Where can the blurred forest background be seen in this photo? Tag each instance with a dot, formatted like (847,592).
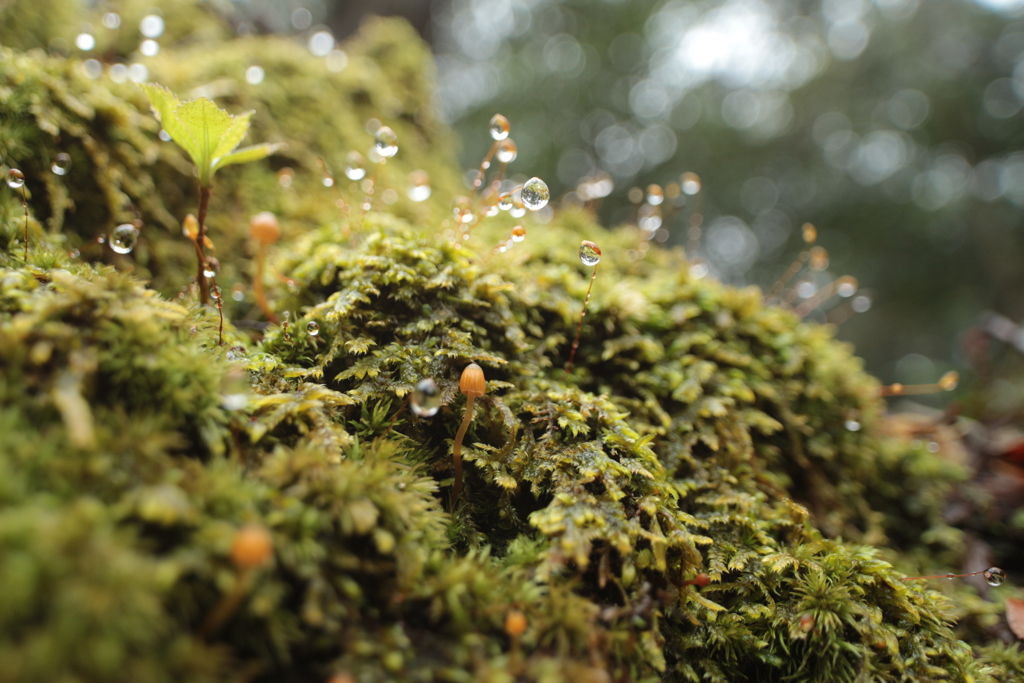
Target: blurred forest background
(894,126)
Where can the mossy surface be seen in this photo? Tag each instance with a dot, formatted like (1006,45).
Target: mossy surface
(699,432)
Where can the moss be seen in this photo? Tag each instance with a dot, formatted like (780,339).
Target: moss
(700,433)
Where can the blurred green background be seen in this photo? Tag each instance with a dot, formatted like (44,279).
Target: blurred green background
(894,126)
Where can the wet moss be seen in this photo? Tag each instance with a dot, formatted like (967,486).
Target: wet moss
(701,432)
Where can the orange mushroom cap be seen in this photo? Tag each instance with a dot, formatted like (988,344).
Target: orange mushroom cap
(472,382)
(264,228)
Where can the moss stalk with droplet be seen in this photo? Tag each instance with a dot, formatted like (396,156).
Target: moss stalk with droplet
(590,254)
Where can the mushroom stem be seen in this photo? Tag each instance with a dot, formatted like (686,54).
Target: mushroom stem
(457,450)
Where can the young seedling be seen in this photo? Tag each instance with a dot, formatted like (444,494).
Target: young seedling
(251,548)
(947,382)
(994,576)
(16,181)
(590,255)
(472,384)
(210,137)
(265,229)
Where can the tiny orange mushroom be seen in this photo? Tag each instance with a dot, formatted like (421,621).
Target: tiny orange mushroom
(472,384)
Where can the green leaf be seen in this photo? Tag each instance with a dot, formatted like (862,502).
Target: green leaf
(164,104)
(207,125)
(233,135)
(245,155)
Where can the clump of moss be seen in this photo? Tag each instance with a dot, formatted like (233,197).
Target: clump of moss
(702,433)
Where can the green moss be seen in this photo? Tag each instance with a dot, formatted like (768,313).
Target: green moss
(700,431)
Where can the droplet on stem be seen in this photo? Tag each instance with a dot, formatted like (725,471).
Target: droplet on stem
(61,163)
(507,151)
(655,195)
(123,238)
(386,142)
(690,182)
(312,328)
(499,127)
(818,259)
(994,576)
(355,166)
(590,253)
(426,398)
(518,233)
(15,179)
(212,267)
(809,232)
(535,194)
(419,186)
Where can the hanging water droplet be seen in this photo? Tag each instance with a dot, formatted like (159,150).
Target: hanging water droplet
(499,127)
(690,182)
(852,426)
(355,166)
(61,163)
(149,47)
(462,209)
(994,576)
(517,210)
(535,194)
(861,304)
(655,195)
(809,232)
(123,238)
(328,181)
(164,135)
(85,41)
(846,286)
(505,202)
(385,142)
(518,233)
(491,210)
(312,328)
(212,267)
(806,289)
(426,398)
(152,26)
(819,259)
(507,151)
(590,253)
(949,381)
(419,186)
(15,179)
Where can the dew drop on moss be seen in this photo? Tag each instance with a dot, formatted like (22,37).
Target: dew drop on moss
(355,166)
(590,253)
(386,142)
(419,186)
(690,183)
(15,179)
(507,151)
(61,163)
(655,195)
(426,398)
(994,576)
(123,238)
(518,233)
(535,194)
(499,127)
(312,328)
(505,202)
(852,426)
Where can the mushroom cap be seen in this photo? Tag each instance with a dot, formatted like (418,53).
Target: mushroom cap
(251,547)
(472,382)
(264,228)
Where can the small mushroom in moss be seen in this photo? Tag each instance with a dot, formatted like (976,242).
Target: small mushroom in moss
(472,384)
(266,230)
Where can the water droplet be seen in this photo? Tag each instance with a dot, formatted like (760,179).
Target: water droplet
(15,179)
(85,41)
(846,286)
(949,381)
(386,142)
(655,195)
(74,253)
(994,576)
(819,259)
(419,186)
(507,151)
(690,182)
(93,68)
(810,233)
(426,399)
(462,209)
(699,270)
(321,43)
(149,47)
(499,127)
(164,135)
(517,210)
(285,177)
(505,202)
(590,253)
(152,26)
(61,163)
(337,60)
(491,210)
(806,289)
(312,328)
(328,181)
(212,267)
(861,304)
(355,166)
(535,194)
(852,426)
(234,389)
(123,238)
(102,239)
(111,20)
(254,75)
(518,233)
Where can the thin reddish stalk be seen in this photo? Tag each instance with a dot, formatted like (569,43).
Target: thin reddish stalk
(579,327)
